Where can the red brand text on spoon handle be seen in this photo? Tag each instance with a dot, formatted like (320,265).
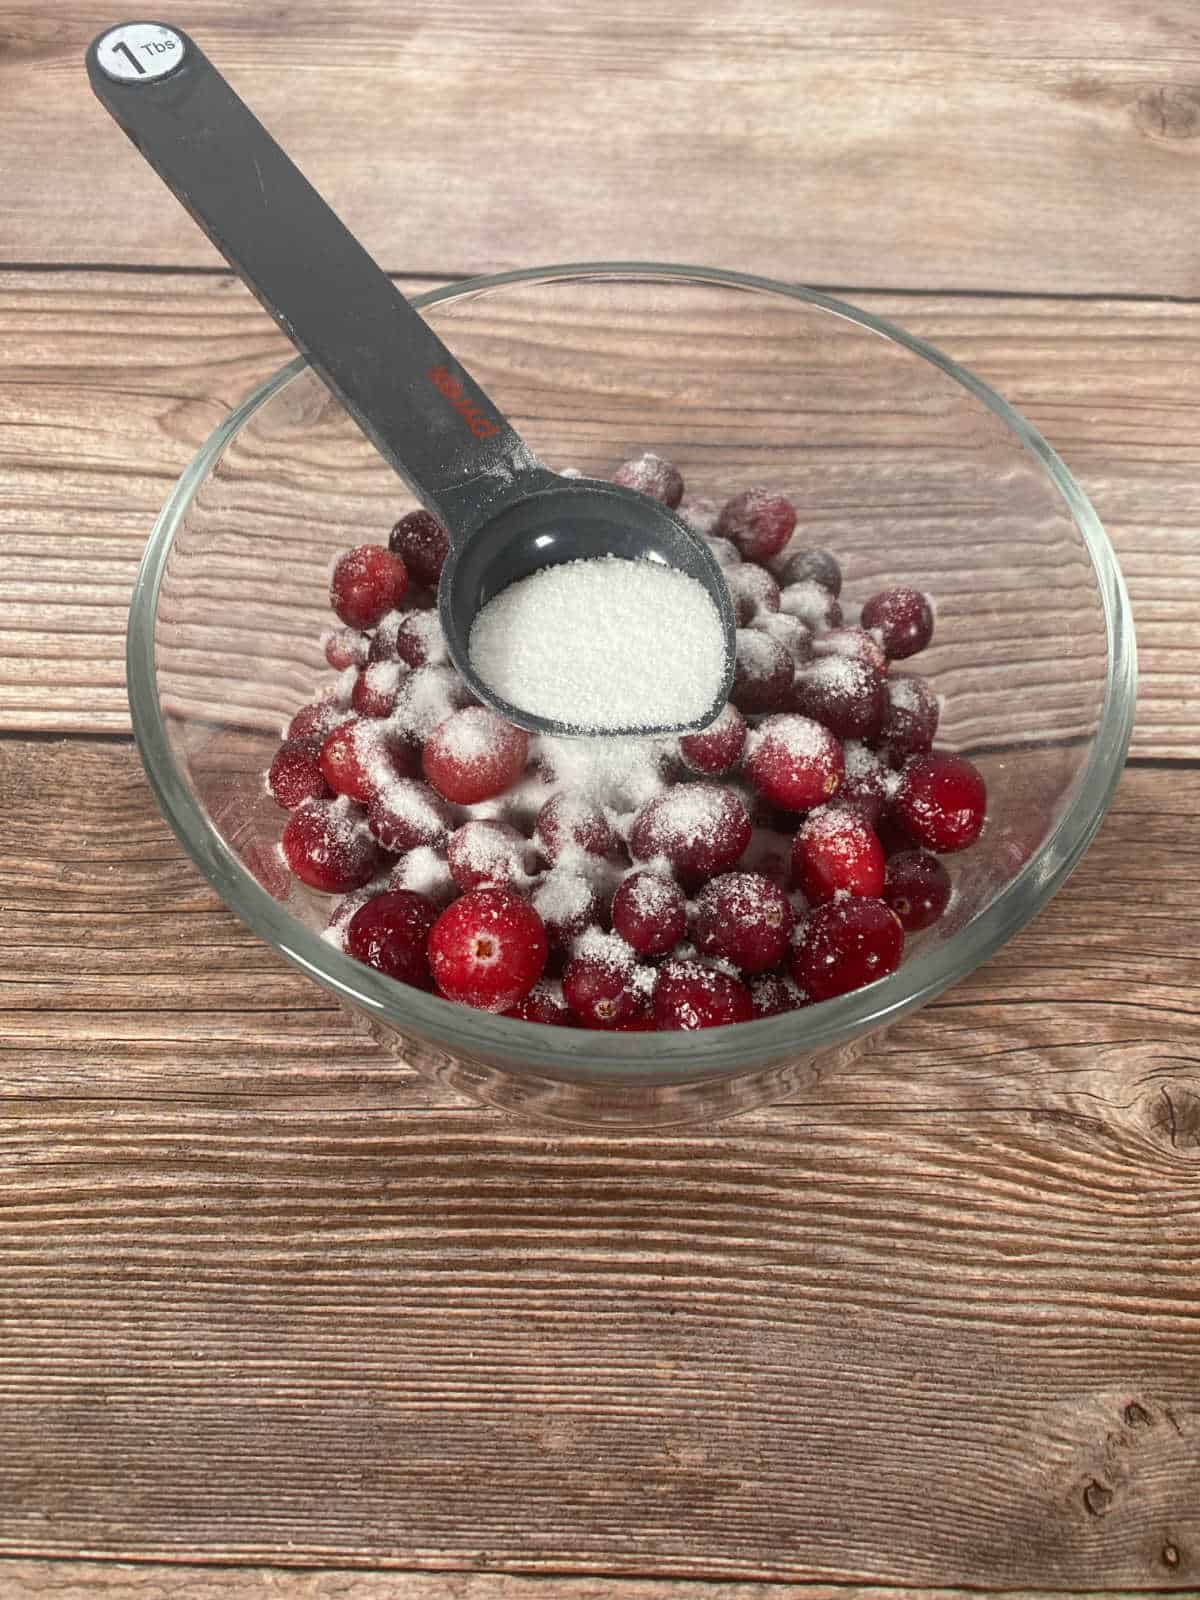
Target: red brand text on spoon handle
(446,383)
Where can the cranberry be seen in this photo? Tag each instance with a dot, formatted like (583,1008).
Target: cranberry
(815,565)
(763,673)
(651,475)
(644,1023)
(774,993)
(753,591)
(474,755)
(389,933)
(543,1003)
(845,944)
(419,640)
(901,619)
(376,688)
(488,949)
(941,801)
(688,994)
(852,642)
(406,814)
(345,647)
(313,723)
(423,870)
(328,848)
(429,695)
(366,582)
(770,855)
(296,775)
(835,851)
(650,913)
(812,603)
(910,719)
(917,887)
(483,851)
(794,763)
(794,635)
(701,515)
(866,781)
(843,695)
(422,541)
(383,640)
(566,824)
(726,554)
(718,747)
(598,982)
(700,828)
(758,521)
(745,918)
(359,758)
(567,903)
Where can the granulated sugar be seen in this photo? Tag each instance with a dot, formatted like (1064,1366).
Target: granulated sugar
(603,644)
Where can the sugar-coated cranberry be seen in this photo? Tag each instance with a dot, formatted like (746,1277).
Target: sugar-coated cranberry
(845,944)
(758,521)
(763,672)
(599,982)
(865,782)
(745,918)
(360,757)
(811,565)
(345,647)
(488,949)
(366,582)
(407,813)
(544,1003)
(567,903)
(901,619)
(376,688)
(423,869)
(650,913)
(718,747)
(383,641)
(428,695)
(419,640)
(651,475)
(327,846)
(474,755)
(726,554)
(835,851)
(567,824)
(853,642)
(910,719)
(793,762)
(842,694)
(813,604)
(296,776)
(941,801)
(700,514)
(422,542)
(752,590)
(917,887)
(487,851)
(390,932)
(688,994)
(313,723)
(700,828)
(794,635)
(774,993)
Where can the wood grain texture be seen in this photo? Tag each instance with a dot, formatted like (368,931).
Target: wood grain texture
(943,144)
(96,430)
(932,1323)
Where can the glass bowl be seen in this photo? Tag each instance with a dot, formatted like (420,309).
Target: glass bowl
(904,464)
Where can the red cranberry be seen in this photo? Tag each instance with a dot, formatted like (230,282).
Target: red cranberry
(566,824)
(846,944)
(773,994)
(852,642)
(866,781)
(758,521)
(917,887)
(701,515)
(814,565)
(814,605)
(941,801)
(650,913)
(488,949)
(389,933)
(651,475)
(718,747)
(359,758)
(483,851)
(843,695)
(345,647)
(407,813)
(794,763)
(474,755)
(639,1024)
(770,855)
(688,994)
(753,591)
(745,918)
(835,851)
(422,541)
(789,631)
(762,673)
(296,776)
(313,723)
(328,848)
(383,640)
(901,619)
(700,828)
(598,982)
(567,903)
(376,688)
(420,641)
(544,1003)
(366,582)
(910,719)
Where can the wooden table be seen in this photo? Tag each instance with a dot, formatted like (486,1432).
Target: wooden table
(273,1311)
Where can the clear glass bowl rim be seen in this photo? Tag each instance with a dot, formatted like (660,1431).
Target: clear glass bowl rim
(642,1058)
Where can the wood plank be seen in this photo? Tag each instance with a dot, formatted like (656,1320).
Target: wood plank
(932,145)
(931,1323)
(96,431)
